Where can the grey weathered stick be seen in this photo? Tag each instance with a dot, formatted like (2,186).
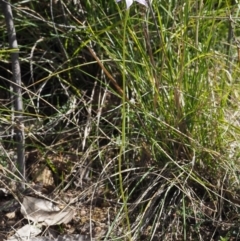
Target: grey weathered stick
(17,92)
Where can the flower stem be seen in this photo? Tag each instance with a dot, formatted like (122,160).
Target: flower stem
(123,144)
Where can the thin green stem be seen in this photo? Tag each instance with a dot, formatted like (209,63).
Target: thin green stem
(123,144)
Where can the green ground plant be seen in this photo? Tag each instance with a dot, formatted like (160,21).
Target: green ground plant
(146,98)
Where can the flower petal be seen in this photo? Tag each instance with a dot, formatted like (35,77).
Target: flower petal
(129,3)
(142,2)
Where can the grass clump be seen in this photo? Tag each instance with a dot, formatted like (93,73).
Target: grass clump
(145,103)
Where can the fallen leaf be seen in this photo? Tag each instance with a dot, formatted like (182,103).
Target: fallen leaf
(24,233)
(45,212)
(11,215)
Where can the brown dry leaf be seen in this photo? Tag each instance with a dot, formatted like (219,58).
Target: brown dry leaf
(11,215)
(44,175)
(45,212)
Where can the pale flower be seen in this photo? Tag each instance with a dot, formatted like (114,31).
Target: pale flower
(130,2)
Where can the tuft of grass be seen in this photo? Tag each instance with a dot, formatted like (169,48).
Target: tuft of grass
(147,101)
